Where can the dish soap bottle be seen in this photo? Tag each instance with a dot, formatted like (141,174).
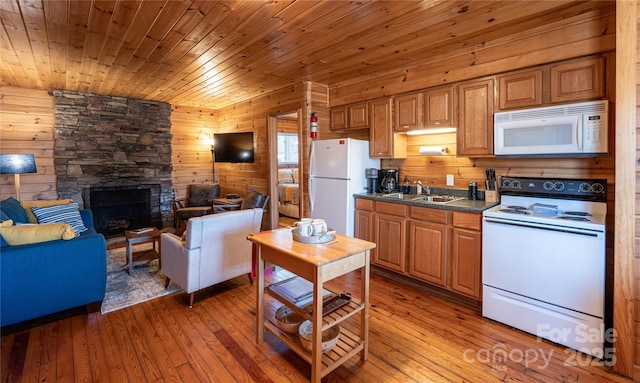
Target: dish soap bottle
(406,188)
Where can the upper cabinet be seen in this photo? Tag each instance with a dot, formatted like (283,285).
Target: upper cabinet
(520,90)
(408,112)
(338,118)
(383,141)
(358,116)
(439,107)
(577,80)
(474,135)
(354,116)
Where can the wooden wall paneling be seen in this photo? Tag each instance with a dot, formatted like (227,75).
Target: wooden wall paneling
(252,115)
(191,155)
(625,287)
(26,127)
(577,36)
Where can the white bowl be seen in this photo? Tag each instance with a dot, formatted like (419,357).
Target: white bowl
(329,336)
(288,320)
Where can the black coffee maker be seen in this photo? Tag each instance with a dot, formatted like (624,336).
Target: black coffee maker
(372,180)
(388,180)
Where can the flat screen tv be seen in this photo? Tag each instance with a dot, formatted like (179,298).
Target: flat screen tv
(234,147)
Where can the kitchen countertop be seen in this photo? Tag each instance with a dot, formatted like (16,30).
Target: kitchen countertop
(464,204)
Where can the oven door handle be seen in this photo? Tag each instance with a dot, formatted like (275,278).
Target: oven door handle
(544,227)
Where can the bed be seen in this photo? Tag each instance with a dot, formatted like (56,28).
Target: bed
(288,202)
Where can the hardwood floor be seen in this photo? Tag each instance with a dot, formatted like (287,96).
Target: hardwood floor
(414,337)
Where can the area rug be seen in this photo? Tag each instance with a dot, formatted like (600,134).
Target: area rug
(124,290)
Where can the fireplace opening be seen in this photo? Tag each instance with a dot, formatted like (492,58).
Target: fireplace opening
(116,209)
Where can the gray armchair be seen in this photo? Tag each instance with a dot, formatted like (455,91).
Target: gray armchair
(198,202)
(253,199)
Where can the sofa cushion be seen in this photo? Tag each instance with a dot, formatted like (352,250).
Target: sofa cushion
(4,217)
(27,205)
(67,213)
(27,234)
(12,208)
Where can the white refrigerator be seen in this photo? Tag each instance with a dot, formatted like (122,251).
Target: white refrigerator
(336,173)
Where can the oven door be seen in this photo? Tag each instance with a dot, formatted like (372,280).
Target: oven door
(561,266)
(546,280)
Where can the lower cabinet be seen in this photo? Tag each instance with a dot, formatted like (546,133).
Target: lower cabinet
(440,247)
(364,220)
(429,245)
(389,234)
(466,254)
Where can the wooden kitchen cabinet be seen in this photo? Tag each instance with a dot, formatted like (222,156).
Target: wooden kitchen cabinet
(466,254)
(520,90)
(408,112)
(389,234)
(358,116)
(350,117)
(578,80)
(429,245)
(338,118)
(364,219)
(439,107)
(383,142)
(474,135)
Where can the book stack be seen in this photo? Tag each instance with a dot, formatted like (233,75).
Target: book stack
(297,290)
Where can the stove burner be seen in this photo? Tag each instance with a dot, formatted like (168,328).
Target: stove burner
(515,210)
(516,207)
(574,218)
(578,213)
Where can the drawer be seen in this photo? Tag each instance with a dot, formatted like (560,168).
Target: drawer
(364,204)
(430,215)
(467,220)
(391,208)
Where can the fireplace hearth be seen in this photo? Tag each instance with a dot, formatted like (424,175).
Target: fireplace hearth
(119,208)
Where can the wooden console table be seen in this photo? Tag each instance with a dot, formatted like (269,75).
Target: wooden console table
(317,263)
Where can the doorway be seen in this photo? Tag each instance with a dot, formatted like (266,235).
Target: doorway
(285,164)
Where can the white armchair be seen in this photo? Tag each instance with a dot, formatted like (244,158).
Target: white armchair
(215,249)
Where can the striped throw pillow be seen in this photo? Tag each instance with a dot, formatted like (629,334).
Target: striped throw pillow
(67,213)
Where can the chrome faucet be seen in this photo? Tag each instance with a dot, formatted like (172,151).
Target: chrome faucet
(426,188)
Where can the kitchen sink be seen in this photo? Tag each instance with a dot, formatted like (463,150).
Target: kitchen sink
(435,198)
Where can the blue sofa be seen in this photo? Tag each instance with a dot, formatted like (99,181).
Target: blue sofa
(48,277)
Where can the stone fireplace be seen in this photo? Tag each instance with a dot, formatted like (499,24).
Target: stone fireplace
(117,150)
(120,208)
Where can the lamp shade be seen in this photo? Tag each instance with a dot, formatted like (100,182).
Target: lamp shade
(17,164)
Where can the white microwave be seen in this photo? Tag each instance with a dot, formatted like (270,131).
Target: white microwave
(571,130)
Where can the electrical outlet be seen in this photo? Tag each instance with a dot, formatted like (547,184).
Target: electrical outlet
(449,179)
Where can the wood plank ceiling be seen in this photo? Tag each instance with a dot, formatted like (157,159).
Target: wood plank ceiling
(212,54)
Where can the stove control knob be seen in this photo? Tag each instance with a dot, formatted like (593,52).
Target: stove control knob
(516,184)
(585,187)
(558,186)
(548,185)
(597,188)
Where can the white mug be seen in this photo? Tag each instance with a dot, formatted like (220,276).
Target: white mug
(319,226)
(304,228)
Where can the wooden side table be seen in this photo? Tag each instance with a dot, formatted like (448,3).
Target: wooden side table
(139,236)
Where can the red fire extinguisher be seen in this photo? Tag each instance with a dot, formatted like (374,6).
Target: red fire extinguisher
(314,125)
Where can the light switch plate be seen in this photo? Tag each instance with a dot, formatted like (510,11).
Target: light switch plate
(449,179)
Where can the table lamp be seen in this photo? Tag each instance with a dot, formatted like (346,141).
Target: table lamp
(17,164)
